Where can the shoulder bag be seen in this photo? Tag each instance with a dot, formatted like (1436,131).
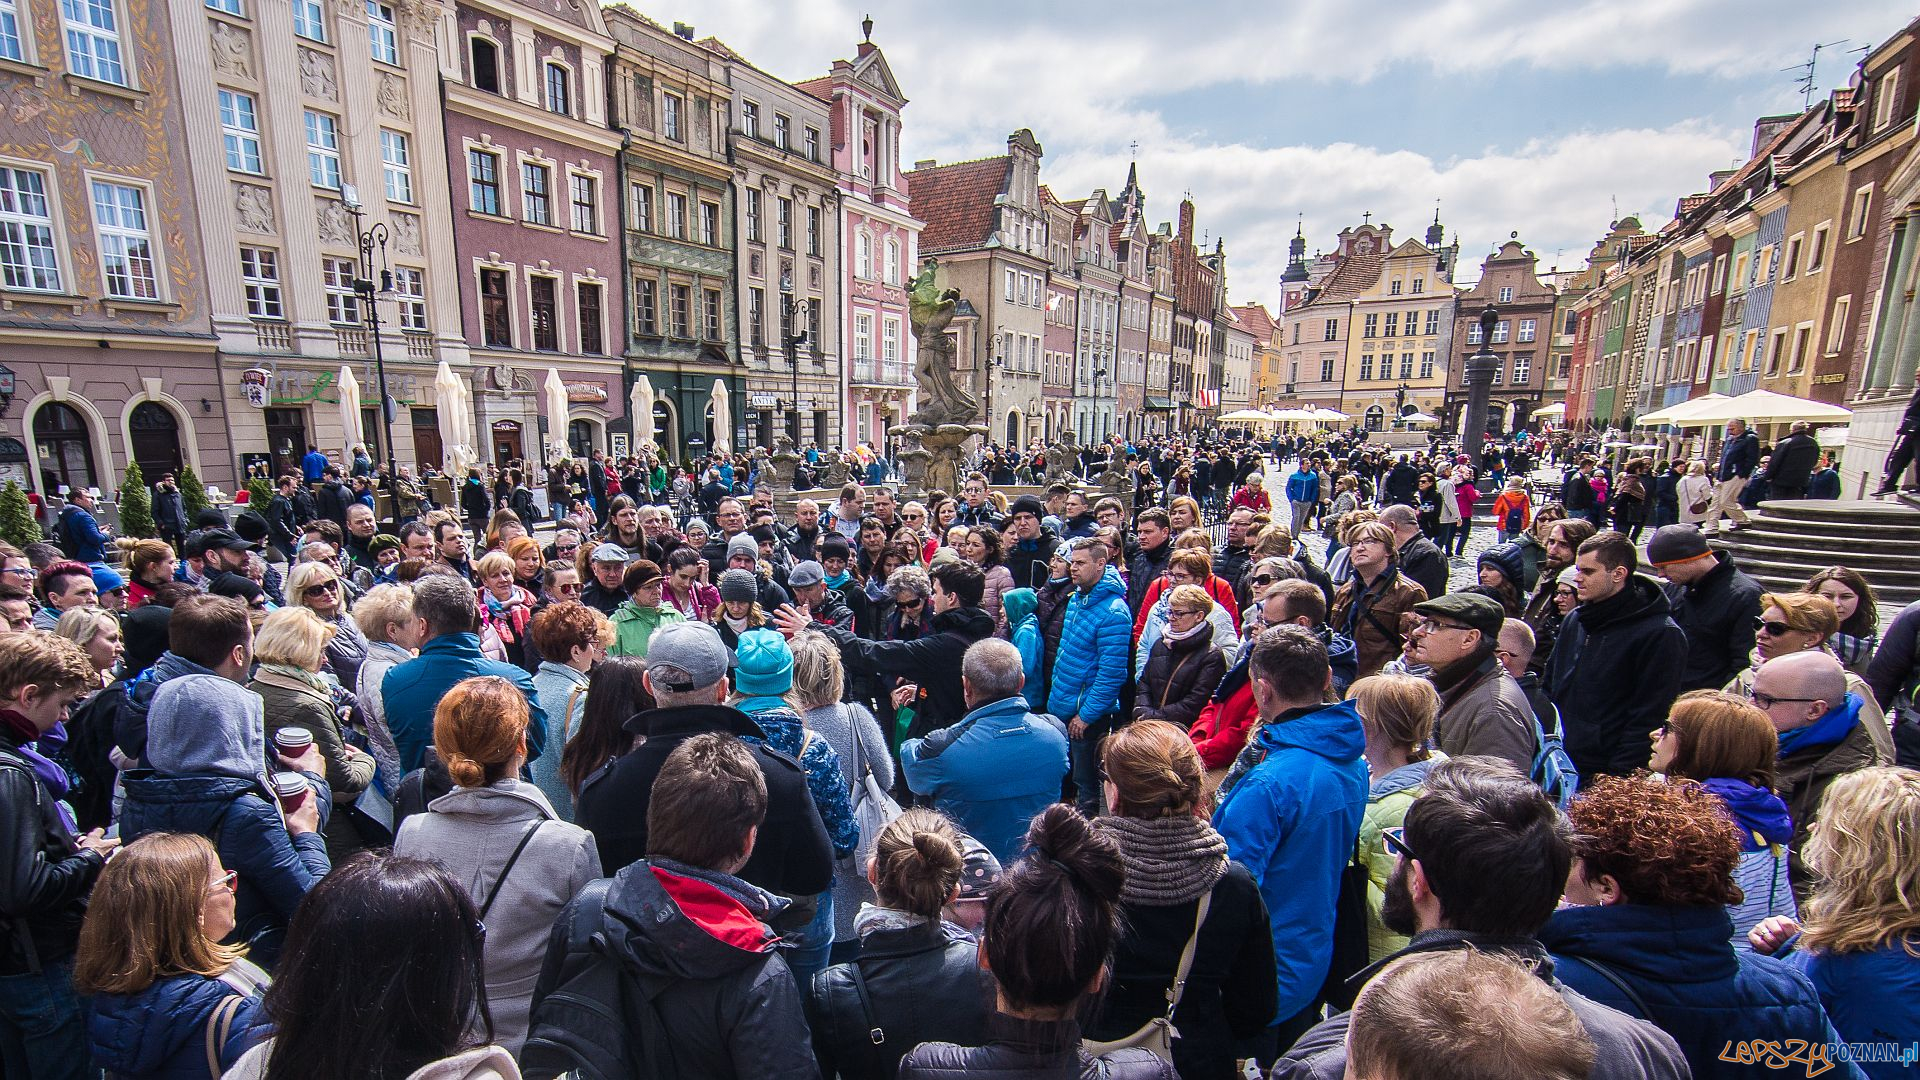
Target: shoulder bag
(219,1026)
(1157,1034)
(873,808)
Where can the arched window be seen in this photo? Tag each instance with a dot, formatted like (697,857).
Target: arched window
(893,262)
(484,67)
(65,448)
(156,440)
(1376,418)
(580,438)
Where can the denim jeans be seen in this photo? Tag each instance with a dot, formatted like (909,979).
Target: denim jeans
(809,946)
(43,1027)
(1085,765)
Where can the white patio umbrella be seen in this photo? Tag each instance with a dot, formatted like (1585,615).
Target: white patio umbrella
(446,403)
(555,392)
(1329,416)
(722,420)
(640,404)
(1557,409)
(1417,417)
(350,426)
(1680,411)
(1765,407)
(1246,416)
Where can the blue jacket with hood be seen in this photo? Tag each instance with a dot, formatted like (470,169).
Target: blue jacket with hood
(1090,666)
(991,772)
(411,691)
(1023,629)
(160,1033)
(1294,820)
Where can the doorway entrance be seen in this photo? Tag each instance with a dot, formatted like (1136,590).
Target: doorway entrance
(286,439)
(156,440)
(506,442)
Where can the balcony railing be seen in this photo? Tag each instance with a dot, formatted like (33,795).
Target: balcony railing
(419,346)
(352,341)
(275,336)
(866,369)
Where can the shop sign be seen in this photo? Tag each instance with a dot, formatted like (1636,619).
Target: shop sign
(586,393)
(253,382)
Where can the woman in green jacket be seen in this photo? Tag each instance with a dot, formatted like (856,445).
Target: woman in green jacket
(1397,713)
(635,620)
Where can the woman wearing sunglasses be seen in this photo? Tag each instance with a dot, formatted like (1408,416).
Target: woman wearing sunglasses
(317,587)
(167,998)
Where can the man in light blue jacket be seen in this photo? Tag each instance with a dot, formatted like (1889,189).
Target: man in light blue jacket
(1000,765)
(1090,664)
(1294,818)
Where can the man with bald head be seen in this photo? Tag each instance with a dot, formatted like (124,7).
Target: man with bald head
(1419,559)
(1822,736)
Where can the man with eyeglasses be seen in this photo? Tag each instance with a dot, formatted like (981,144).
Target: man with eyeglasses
(566,544)
(1617,662)
(1712,600)
(1482,709)
(1823,736)
(1374,607)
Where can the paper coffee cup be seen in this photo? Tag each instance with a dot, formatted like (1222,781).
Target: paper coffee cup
(293,741)
(291,789)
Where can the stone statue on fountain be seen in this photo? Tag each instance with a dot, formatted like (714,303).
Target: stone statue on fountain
(948,415)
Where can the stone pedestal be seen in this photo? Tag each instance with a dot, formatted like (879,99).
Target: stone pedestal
(932,457)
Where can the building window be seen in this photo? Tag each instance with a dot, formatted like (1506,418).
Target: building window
(310,19)
(559,90)
(396,164)
(893,262)
(1506,294)
(536,194)
(889,340)
(1817,253)
(260,279)
(710,224)
(1522,369)
(93,40)
(670,105)
(543,299)
(1776,346)
(646,306)
(680,310)
(1393,287)
(27,252)
(1500,332)
(863,256)
(585,192)
(323,151)
(750,119)
(1886,99)
(483,182)
(10,47)
(231,7)
(1330,330)
(642,206)
(1393,323)
(1419,286)
(587,306)
(383,32)
(753,214)
(1802,344)
(1366,366)
(1857,220)
(676,215)
(781,131)
(1792,265)
(1406,366)
(811,140)
(126,249)
(1326,368)
(483,64)
(1837,325)
(496,310)
(756,316)
(783,221)
(1371,328)
(240,131)
(863,337)
(813,323)
(813,230)
(336,276)
(410,295)
(1426,365)
(1526,330)
(710,313)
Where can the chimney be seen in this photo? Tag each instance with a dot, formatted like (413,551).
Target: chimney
(683,30)
(925,163)
(1765,128)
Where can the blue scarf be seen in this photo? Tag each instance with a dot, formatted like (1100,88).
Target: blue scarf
(834,581)
(1829,730)
(1762,817)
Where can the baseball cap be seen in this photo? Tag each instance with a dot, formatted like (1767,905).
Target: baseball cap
(609,553)
(1483,613)
(225,539)
(806,574)
(686,656)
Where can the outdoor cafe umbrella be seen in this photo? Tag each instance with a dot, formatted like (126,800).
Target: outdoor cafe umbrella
(1557,409)
(555,392)
(350,410)
(641,403)
(1765,407)
(1672,414)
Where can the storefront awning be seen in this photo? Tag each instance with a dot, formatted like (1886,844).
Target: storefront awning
(1159,402)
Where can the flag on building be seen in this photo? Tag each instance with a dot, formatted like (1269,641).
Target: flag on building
(1206,398)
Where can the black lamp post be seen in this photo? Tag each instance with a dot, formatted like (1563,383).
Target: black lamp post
(1478,376)
(375,236)
(790,338)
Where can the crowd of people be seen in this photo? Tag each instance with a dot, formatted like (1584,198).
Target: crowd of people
(1047,782)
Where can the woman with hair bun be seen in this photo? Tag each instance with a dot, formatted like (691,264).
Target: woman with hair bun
(1052,924)
(1174,859)
(501,840)
(920,975)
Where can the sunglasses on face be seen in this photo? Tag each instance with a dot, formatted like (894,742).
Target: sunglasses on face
(321,588)
(1395,840)
(1263,579)
(1773,629)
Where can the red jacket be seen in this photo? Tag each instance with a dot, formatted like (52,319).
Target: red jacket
(1217,588)
(1221,731)
(1253,499)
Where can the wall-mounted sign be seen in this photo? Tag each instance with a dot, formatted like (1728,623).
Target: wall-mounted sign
(764,401)
(253,383)
(586,393)
(12,451)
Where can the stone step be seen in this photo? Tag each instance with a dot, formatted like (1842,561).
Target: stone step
(1858,511)
(1890,558)
(1838,531)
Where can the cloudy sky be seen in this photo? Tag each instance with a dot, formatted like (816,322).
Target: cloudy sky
(1534,116)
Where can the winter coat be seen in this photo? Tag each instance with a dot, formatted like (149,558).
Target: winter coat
(1029,561)
(1091,664)
(1512,511)
(932,661)
(411,691)
(1293,821)
(1023,629)
(991,772)
(1614,673)
(1871,996)
(1488,715)
(1803,776)
(1230,987)
(44,873)
(1051,609)
(1029,1050)
(84,540)
(698,942)
(472,832)
(826,776)
(1303,487)
(1738,456)
(1180,678)
(563,698)
(1225,637)
(1683,967)
(290,703)
(1376,618)
(1387,801)
(1717,614)
(479,1063)
(1425,565)
(160,1033)
(999,582)
(1219,590)
(634,627)
(1625,1048)
(793,856)
(861,747)
(1145,569)
(921,984)
(1691,491)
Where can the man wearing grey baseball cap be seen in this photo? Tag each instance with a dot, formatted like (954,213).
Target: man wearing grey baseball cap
(687,676)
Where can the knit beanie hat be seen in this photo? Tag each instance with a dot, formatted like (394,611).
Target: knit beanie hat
(765,664)
(1507,559)
(739,585)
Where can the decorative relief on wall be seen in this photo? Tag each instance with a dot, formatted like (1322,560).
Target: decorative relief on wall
(392,95)
(253,208)
(316,75)
(232,50)
(406,234)
(334,225)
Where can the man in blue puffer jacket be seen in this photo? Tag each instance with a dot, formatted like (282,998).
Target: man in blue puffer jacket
(1649,934)
(1090,665)
(412,690)
(1294,818)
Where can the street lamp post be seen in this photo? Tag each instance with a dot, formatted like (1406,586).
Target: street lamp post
(375,236)
(1479,379)
(790,338)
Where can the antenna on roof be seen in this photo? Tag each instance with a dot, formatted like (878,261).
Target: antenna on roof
(1807,80)
(1133,148)
(1616,206)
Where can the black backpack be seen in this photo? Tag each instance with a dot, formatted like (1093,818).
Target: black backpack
(584,1027)
(63,532)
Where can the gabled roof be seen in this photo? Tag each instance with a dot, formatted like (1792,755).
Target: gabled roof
(1409,247)
(1353,275)
(956,202)
(1255,319)
(821,88)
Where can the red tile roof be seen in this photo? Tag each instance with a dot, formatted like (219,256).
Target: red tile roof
(821,88)
(1254,318)
(1353,275)
(956,202)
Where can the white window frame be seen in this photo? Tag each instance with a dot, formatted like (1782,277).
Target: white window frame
(1885,95)
(260,281)
(532,195)
(240,130)
(35,235)
(1837,324)
(1816,253)
(383,33)
(676,215)
(231,7)
(547,70)
(310,19)
(580,322)
(396,166)
(889,339)
(750,119)
(1506,294)
(1859,208)
(91,29)
(1426,365)
(863,256)
(557,324)
(672,105)
(1790,266)
(119,240)
(709,223)
(336,282)
(754,204)
(1528,327)
(12,45)
(1522,370)
(863,335)
(575,180)
(410,297)
(323,150)
(640,205)
(893,261)
(474,154)
(782,131)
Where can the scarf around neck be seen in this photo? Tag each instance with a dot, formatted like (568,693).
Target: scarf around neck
(834,581)
(1169,860)
(51,776)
